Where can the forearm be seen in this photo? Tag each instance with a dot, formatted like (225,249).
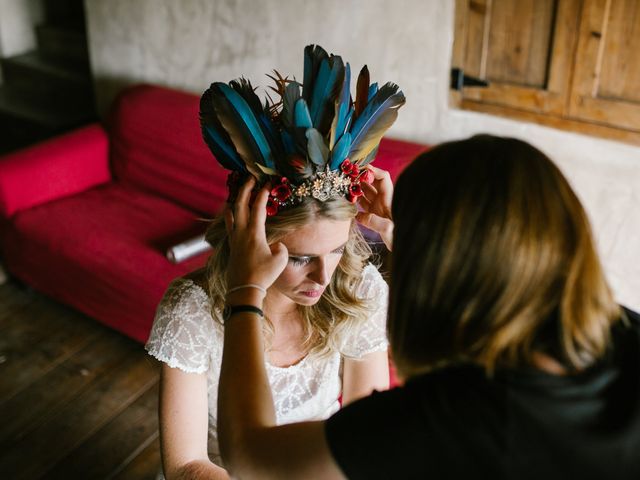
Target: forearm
(244,399)
(199,470)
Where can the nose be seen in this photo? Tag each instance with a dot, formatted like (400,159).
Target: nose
(319,273)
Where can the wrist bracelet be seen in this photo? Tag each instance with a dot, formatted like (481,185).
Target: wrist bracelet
(230,310)
(248,285)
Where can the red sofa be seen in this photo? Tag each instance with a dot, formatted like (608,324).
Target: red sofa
(86,217)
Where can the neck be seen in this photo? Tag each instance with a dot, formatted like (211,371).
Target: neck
(548,364)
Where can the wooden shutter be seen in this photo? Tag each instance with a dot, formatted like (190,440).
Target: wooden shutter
(523,48)
(606,85)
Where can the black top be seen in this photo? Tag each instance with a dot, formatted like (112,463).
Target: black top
(456,423)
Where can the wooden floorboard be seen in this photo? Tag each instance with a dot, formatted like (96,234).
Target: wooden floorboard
(100,455)
(141,465)
(61,386)
(77,400)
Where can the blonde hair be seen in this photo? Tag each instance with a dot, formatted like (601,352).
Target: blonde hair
(339,311)
(494,260)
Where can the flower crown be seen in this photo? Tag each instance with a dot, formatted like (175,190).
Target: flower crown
(313,141)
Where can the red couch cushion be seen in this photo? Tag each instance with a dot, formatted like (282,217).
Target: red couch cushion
(52,169)
(156,145)
(102,251)
(395,155)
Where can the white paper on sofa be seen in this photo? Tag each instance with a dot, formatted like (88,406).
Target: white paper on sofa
(190,248)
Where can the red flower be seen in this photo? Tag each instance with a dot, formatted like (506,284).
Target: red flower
(354,171)
(355,191)
(281,191)
(367,176)
(272,207)
(346,166)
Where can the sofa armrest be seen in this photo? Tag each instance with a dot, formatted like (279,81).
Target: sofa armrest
(56,168)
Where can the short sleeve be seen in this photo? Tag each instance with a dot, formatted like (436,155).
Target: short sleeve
(372,335)
(184,334)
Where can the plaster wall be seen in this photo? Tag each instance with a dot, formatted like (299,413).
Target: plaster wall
(189,44)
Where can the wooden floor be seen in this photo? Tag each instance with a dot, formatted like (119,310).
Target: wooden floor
(77,400)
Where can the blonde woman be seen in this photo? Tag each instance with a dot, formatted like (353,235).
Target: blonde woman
(518,362)
(324,316)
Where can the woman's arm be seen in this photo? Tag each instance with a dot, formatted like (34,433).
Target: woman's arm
(250,443)
(362,376)
(184,426)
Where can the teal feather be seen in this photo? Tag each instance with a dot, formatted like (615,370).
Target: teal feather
(216,137)
(325,90)
(373,90)
(302,118)
(287,141)
(316,148)
(340,151)
(375,120)
(342,107)
(243,128)
(247,92)
(313,57)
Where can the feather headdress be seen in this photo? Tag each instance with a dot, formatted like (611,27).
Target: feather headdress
(312,140)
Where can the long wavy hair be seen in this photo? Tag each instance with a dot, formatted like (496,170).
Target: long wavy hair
(339,311)
(493,261)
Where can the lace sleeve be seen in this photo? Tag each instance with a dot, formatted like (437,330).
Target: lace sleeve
(372,335)
(183,334)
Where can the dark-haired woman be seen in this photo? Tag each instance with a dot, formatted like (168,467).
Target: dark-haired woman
(517,361)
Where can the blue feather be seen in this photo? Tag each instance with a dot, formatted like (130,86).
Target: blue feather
(325,89)
(343,103)
(224,153)
(287,141)
(340,151)
(301,116)
(373,89)
(243,128)
(313,57)
(375,119)
(216,137)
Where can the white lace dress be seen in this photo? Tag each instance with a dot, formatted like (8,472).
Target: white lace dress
(185,336)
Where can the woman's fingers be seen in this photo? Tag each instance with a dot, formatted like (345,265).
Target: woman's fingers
(382,183)
(383,226)
(241,206)
(228,220)
(259,212)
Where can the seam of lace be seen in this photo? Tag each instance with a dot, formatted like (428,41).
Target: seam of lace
(172,362)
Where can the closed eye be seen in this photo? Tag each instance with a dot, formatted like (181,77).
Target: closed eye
(299,261)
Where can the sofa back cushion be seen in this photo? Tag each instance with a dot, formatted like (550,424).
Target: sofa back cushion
(156,146)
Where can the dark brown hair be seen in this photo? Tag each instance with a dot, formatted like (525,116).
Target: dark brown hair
(493,260)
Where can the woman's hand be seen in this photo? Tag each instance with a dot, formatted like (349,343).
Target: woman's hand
(252,260)
(376,205)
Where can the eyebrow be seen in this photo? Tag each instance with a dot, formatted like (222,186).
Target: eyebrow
(296,255)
